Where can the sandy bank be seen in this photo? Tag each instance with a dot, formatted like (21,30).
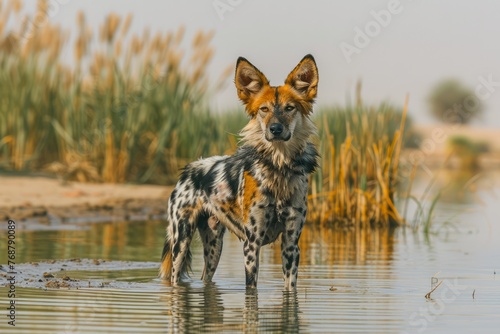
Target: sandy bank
(25,198)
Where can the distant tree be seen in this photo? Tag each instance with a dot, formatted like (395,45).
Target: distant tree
(452,102)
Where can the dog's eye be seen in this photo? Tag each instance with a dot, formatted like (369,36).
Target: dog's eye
(289,108)
(264,109)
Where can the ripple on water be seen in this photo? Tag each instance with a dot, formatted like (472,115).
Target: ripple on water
(371,281)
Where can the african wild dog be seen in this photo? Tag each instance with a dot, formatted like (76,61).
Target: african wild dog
(259,192)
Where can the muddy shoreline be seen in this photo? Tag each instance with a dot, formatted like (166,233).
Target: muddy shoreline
(47,200)
(128,209)
(60,274)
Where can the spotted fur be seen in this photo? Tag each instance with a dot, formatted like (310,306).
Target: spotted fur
(260,192)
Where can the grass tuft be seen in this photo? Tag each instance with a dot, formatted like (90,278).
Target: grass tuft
(360,148)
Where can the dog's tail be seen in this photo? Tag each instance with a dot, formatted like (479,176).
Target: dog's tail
(166,261)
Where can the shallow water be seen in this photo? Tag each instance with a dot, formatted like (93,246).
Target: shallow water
(349,281)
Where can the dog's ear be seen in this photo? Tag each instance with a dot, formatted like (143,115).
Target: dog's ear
(248,79)
(304,78)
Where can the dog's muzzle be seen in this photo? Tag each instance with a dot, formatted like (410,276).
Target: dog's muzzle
(277,132)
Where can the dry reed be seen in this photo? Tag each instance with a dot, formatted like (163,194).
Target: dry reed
(357,182)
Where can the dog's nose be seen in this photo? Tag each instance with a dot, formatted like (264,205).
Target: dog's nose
(276,129)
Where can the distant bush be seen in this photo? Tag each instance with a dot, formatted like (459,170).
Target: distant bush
(452,102)
(467,151)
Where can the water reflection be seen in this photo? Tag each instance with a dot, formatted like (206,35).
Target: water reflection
(209,308)
(332,246)
(371,280)
(280,318)
(251,310)
(142,241)
(459,187)
(455,187)
(133,241)
(190,308)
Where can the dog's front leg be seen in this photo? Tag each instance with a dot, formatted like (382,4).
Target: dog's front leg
(251,251)
(290,251)
(255,230)
(292,215)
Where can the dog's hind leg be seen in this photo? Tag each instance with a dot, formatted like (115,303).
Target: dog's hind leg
(212,234)
(182,231)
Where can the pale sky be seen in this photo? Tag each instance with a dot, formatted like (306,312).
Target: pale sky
(413,45)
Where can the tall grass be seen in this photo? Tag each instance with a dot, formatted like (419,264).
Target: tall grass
(132,109)
(129,108)
(360,148)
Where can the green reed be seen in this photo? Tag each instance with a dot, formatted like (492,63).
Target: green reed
(131,108)
(134,109)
